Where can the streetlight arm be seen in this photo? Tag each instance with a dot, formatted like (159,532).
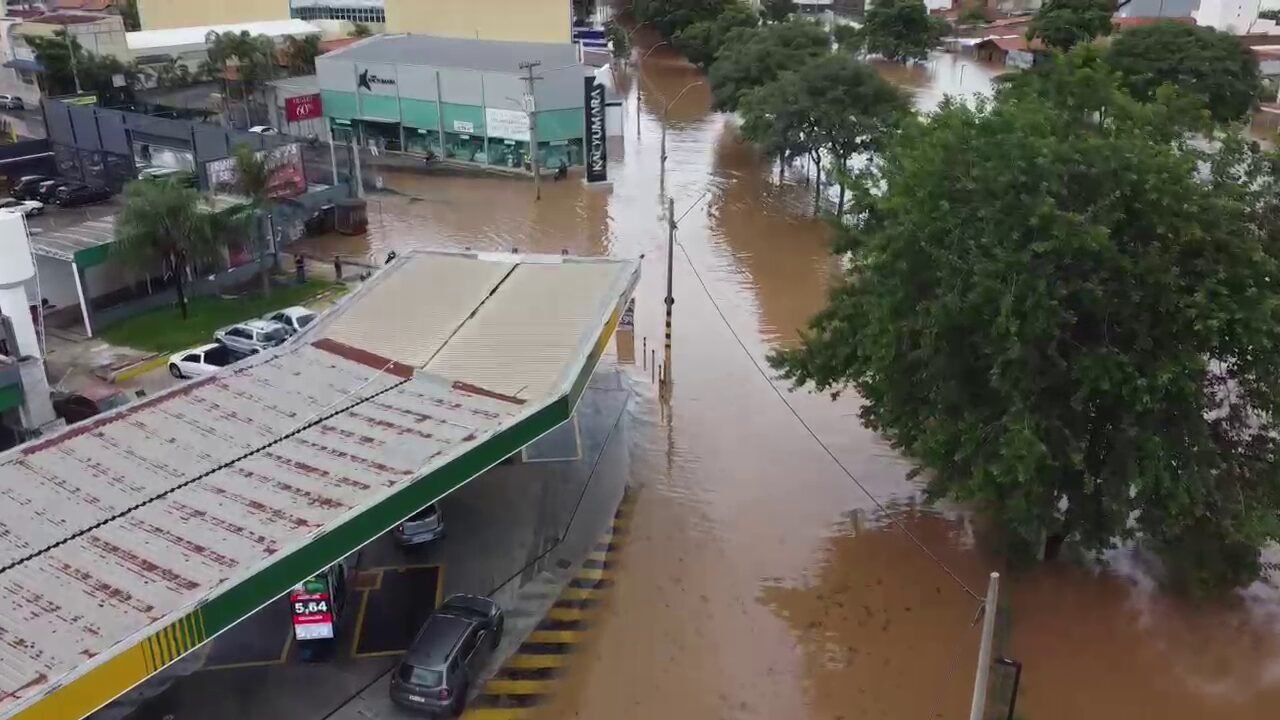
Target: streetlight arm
(655,47)
(680,94)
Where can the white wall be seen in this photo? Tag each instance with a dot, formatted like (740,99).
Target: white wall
(57,283)
(1233,16)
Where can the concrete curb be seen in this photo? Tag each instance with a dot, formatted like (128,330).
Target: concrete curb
(130,372)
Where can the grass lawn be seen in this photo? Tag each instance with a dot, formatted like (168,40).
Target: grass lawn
(164,330)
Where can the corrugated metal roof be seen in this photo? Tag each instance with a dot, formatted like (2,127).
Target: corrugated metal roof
(517,341)
(429,50)
(159,515)
(408,314)
(64,244)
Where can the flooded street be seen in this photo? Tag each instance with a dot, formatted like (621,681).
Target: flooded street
(758,581)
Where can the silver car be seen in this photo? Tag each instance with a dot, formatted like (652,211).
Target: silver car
(252,336)
(421,527)
(448,654)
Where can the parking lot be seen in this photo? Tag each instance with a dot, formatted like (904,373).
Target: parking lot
(509,534)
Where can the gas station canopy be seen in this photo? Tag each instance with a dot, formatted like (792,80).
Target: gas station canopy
(128,540)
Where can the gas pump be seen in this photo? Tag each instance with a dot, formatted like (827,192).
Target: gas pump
(316,606)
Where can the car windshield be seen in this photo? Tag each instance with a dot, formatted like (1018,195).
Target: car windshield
(275,334)
(423,677)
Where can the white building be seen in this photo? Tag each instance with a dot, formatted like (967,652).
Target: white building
(1234,16)
(189,47)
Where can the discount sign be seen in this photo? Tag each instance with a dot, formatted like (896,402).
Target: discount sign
(303,107)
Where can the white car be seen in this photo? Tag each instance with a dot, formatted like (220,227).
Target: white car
(295,318)
(199,361)
(264,130)
(252,336)
(21,207)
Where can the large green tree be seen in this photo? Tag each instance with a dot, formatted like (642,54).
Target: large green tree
(701,41)
(1072,319)
(97,73)
(250,58)
(1212,66)
(300,54)
(164,226)
(253,180)
(755,57)
(900,30)
(835,110)
(1063,24)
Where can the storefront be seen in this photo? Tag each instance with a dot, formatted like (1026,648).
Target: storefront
(464,100)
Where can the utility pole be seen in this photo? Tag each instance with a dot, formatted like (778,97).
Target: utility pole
(670,299)
(355,155)
(71,53)
(530,110)
(979,705)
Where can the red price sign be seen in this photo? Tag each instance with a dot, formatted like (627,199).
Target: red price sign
(303,107)
(312,615)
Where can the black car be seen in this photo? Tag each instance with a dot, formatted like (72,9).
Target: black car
(80,194)
(45,191)
(449,652)
(27,186)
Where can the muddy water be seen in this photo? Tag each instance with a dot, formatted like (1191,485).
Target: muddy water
(758,582)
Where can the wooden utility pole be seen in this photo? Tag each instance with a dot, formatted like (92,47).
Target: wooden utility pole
(979,704)
(670,299)
(530,110)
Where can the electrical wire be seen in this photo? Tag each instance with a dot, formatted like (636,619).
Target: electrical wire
(879,505)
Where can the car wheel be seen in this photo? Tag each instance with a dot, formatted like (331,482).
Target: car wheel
(174,371)
(496,639)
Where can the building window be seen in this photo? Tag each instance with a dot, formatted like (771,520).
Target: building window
(362,15)
(28,77)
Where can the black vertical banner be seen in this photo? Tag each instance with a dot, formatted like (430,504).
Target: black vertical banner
(597,149)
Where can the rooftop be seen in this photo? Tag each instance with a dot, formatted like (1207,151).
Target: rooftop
(71,18)
(491,55)
(144,40)
(129,539)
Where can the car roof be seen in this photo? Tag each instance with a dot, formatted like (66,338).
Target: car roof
(437,640)
(260,324)
(199,348)
(295,310)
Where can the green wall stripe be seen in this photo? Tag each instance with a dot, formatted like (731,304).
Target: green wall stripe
(560,125)
(473,114)
(421,114)
(382,107)
(10,396)
(339,104)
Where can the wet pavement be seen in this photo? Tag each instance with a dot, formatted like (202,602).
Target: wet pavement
(759,581)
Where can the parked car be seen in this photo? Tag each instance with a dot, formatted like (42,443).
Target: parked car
(421,527)
(252,336)
(46,190)
(22,207)
(449,652)
(27,185)
(295,318)
(202,360)
(73,194)
(11,102)
(264,130)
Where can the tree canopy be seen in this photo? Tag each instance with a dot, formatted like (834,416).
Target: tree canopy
(1072,318)
(1063,24)
(1211,66)
(253,180)
(900,30)
(752,58)
(300,54)
(163,224)
(835,108)
(672,16)
(701,41)
(97,73)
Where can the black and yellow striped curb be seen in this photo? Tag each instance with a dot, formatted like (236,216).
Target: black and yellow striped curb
(529,677)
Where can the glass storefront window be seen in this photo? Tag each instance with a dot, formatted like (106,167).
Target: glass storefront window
(508,153)
(468,148)
(422,141)
(570,151)
(383,136)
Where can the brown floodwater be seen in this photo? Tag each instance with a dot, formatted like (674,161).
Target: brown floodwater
(757,580)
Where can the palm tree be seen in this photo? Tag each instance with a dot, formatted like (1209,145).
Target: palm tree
(163,223)
(253,178)
(300,54)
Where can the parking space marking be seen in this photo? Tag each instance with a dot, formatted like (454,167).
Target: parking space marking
(531,674)
(284,655)
(379,574)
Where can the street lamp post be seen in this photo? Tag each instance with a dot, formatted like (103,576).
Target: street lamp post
(640,76)
(662,173)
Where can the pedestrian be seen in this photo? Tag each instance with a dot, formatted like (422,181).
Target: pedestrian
(300,268)
(562,171)
(390,256)
(337,267)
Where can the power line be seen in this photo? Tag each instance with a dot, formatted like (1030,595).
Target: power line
(879,505)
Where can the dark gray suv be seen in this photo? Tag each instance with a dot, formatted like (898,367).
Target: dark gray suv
(449,652)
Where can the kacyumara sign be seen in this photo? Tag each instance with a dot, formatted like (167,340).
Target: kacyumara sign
(597,150)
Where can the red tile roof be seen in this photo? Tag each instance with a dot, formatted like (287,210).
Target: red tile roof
(1127,23)
(91,5)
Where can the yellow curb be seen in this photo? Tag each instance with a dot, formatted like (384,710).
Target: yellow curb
(522,661)
(580,594)
(498,714)
(137,369)
(554,637)
(566,614)
(517,687)
(594,574)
